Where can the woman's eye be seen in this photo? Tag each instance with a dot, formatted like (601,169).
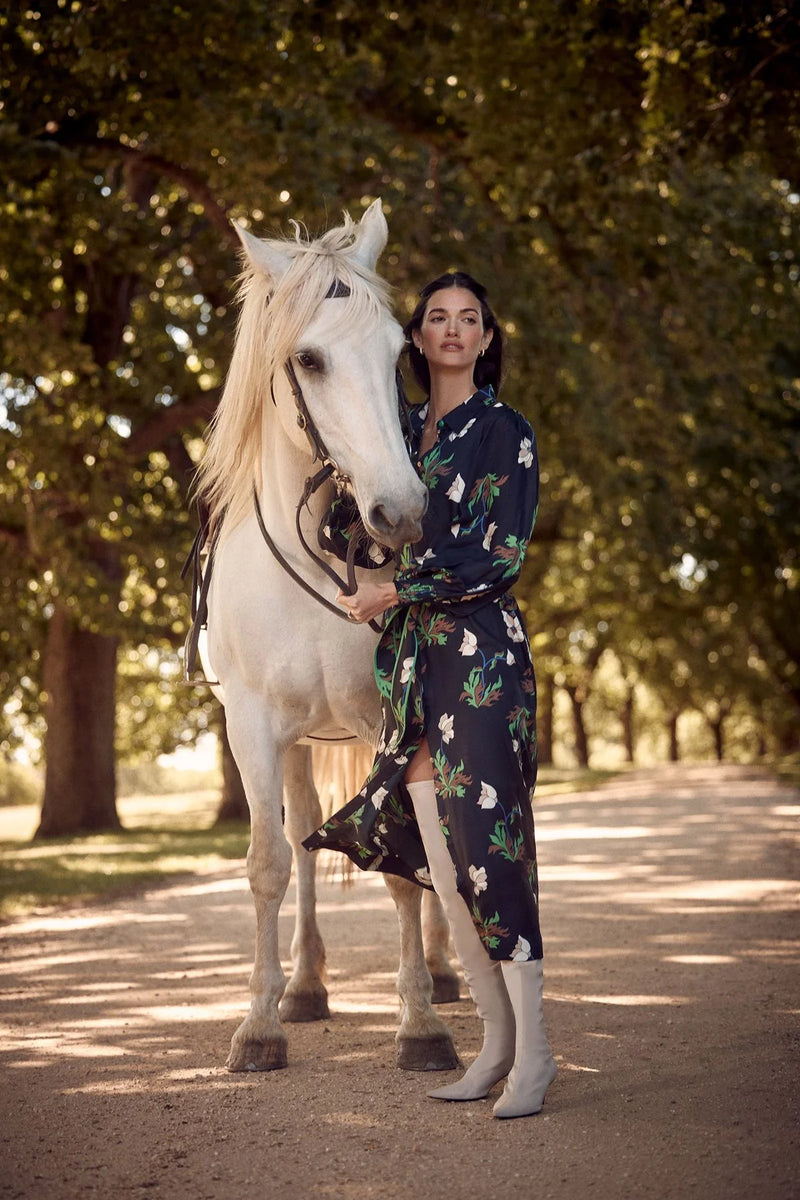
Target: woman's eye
(309,361)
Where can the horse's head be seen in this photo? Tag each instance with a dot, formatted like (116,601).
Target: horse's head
(323,310)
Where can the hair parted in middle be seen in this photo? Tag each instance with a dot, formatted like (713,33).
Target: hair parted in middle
(488,368)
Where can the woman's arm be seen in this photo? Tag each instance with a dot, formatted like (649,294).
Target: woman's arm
(485,548)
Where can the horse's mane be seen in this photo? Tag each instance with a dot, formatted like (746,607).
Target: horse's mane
(271,321)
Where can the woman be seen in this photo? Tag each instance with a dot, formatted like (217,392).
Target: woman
(448,800)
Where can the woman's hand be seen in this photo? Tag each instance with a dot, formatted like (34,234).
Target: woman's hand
(368,601)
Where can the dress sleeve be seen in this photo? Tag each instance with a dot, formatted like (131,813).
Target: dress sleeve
(485,546)
(340,525)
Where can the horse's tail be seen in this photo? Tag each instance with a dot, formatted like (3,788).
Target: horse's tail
(339,773)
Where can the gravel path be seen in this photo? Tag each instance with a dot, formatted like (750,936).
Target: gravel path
(670,901)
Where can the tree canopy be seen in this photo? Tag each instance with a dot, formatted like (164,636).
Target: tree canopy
(623,176)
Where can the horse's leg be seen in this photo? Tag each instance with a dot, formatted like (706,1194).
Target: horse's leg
(305,998)
(259,1043)
(436,939)
(424,1042)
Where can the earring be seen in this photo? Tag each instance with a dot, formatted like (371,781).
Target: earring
(422,352)
(482,353)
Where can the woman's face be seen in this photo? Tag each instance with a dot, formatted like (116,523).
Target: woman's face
(451,334)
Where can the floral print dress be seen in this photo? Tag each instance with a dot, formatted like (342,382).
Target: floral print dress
(453,662)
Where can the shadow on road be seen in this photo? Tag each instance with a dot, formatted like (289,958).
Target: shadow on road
(669,902)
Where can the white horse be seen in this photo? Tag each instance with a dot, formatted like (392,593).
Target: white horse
(315,357)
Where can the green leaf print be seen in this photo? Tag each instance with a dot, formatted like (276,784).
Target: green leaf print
(522,724)
(396,811)
(485,491)
(504,844)
(490,931)
(434,628)
(453,780)
(384,682)
(476,693)
(434,468)
(511,553)
(355,818)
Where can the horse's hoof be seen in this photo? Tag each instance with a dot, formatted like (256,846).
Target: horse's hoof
(250,1055)
(427,1054)
(445,988)
(304,1006)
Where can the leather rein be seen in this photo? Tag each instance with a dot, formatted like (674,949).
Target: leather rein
(201,579)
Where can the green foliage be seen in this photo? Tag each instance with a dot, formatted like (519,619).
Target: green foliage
(19,784)
(153,779)
(83,869)
(624,176)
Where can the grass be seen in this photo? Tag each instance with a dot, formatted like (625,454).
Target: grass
(554,780)
(163,836)
(788,769)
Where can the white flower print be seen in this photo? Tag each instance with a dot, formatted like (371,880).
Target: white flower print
(510,658)
(479,880)
(487,541)
(446,726)
(428,554)
(394,742)
(526,452)
(456,489)
(455,529)
(513,627)
(453,436)
(375,553)
(522,950)
(469,645)
(488,796)
(401,760)
(378,796)
(408,667)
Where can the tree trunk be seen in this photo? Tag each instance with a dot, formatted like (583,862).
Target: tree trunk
(581,739)
(717,733)
(627,726)
(545,721)
(672,726)
(79,677)
(233,806)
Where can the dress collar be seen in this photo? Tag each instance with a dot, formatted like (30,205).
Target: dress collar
(469,410)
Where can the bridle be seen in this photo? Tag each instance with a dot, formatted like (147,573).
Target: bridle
(329,468)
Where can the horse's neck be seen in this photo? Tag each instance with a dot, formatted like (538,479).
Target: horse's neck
(284,471)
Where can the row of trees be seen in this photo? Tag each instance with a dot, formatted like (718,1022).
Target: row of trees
(625,176)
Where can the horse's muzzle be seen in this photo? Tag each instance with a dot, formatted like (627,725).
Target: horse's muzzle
(393,526)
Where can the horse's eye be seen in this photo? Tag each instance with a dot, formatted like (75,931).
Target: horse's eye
(309,361)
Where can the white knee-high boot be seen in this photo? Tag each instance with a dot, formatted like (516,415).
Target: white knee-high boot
(484,977)
(534,1067)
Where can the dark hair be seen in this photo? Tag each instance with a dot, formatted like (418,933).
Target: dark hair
(488,368)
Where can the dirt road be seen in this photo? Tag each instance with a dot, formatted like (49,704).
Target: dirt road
(672,993)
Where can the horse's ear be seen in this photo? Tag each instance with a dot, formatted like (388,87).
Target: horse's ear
(371,237)
(264,256)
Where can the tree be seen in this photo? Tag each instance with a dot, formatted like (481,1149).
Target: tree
(614,170)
